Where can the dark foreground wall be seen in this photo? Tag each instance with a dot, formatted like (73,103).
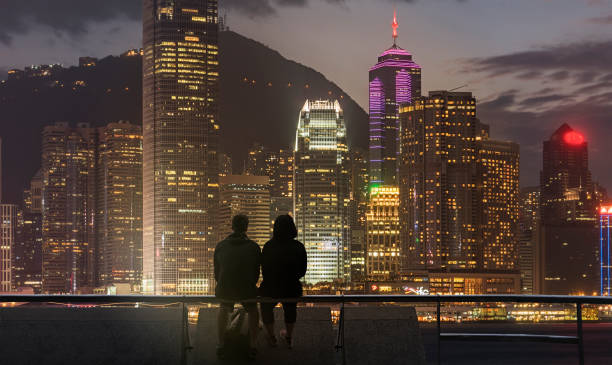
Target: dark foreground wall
(91,336)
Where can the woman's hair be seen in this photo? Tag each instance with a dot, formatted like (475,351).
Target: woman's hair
(284,228)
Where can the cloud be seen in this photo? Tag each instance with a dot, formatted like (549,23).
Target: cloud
(70,17)
(606,20)
(583,61)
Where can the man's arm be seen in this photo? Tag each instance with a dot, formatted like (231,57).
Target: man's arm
(258,258)
(303,262)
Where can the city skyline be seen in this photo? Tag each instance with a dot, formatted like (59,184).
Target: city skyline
(552,50)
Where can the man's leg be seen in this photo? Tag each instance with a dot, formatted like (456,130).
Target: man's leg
(222,319)
(267,316)
(253,312)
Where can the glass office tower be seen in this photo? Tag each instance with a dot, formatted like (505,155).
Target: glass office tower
(322,191)
(180,163)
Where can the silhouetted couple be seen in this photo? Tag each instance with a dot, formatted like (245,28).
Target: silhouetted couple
(238,261)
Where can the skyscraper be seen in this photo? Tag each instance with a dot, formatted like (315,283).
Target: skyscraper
(68,166)
(358,207)
(394,80)
(322,190)
(568,208)
(119,205)
(27,253)
(383,260)
(438,181)
(279,165)
(498,185)
(250,195)
(8,225)
(529,240)
(180,122)
(605,265)
(255,164)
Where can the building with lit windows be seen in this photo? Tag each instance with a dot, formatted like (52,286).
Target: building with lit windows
(68,209)
(180,126)
(383,234)
(119,205)
(322,191)
(279,165)
(439,195)
(8,226)
(529,239)
(394,80)
(27,253)
(605,266)
(569,217)
(255,163)
(498,185)
(225,165)
(358,207)
(249,195)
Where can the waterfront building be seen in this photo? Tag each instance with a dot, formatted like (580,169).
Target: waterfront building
(529,239)
(498,185)
(119,205)
(249,195)
(68,174)
(568,209)
(394,80)
(322,191)
(8,228)
(383,260)
(439,179)
(358,207)
(605,267)
(180,126)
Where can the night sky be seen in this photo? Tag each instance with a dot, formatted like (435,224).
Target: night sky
(532,64)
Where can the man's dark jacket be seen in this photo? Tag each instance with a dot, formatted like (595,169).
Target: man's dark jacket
(237,268)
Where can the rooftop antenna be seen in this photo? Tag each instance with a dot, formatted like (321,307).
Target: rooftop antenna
(395,25)
(457,88)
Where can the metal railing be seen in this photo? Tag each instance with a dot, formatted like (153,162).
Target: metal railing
(579,302)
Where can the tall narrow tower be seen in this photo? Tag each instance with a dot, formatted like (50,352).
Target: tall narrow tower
(394,80)
(180,166)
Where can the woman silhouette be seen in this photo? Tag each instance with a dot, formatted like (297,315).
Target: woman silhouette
(283,265)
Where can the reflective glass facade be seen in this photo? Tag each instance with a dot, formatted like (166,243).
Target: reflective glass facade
(322,191)
(180,164)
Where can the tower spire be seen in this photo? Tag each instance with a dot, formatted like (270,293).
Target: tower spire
(395,25)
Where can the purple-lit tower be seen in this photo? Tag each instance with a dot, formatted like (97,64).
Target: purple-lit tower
(394,80)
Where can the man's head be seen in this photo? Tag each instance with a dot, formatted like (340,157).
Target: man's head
(240,223)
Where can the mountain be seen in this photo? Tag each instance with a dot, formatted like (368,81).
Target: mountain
(260,92)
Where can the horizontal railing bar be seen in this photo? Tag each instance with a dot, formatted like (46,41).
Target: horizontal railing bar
(160,299)
(496,337)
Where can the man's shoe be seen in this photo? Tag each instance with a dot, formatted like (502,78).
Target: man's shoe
(272,341)
(252,355)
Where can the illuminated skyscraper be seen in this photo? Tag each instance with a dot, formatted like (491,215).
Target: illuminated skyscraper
(438,181)
(8,225)
(529,239)
(68,167)
(383,234)
(568,206)
(322,190)
(250,195)
(394,80)
(27,253)
(280,168)
(119,205)
(358,207)
(255,164)
(605,266)
(498,173)
(180,112)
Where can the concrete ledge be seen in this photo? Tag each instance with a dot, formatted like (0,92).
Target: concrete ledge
(382,335)
(313,341)
(91,336)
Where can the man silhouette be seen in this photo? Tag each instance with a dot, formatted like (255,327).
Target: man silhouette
(237,269)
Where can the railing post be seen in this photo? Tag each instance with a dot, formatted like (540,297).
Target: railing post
(580,333)
(439,331)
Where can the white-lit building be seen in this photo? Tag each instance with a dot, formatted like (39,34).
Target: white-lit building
(322,191)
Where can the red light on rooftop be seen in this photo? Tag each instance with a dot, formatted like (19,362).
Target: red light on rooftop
(574,138)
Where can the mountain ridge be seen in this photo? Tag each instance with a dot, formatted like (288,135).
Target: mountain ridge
(269,99)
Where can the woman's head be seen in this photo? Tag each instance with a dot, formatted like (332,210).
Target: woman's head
(284,227)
